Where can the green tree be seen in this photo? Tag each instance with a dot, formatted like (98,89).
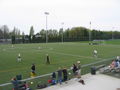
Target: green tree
(31,34)
(23,37)
(31,31)
(43,34)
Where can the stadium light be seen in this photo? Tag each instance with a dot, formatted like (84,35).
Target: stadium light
(62,31)
(90,33)
(46,13)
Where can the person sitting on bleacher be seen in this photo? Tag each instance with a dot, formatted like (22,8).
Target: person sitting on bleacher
(115,66)
(24,86)
(118,62)
(112,65)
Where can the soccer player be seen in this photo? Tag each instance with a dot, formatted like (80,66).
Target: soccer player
(95,53)
(48,59)
(19,58)
(33,70)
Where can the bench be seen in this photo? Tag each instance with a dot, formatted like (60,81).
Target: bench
(108,69)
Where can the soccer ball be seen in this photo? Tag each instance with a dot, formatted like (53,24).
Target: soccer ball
(31,82)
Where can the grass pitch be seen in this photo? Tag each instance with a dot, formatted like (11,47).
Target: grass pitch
(61,55)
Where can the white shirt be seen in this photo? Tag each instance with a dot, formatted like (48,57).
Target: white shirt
(118,57)
(95,51)
(19,55)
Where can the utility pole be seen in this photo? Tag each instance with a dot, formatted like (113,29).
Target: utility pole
(90,33)
(62,32)
(46,13)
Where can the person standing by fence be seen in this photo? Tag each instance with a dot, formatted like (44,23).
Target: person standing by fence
(79,69)
(65,74)
(59,75)
(15,83)
(74,68)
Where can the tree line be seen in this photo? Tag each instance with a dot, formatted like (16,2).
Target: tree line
(67,35)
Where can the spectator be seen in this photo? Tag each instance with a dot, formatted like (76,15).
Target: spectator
(59,75)
(53,82)
(65,74)
(49,81)
(79,69)
(118,62)
(74,69)
(25,86)
(53,75)
(112,65)
(15,83)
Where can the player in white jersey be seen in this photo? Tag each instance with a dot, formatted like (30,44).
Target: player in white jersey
(19,58)
(95,53)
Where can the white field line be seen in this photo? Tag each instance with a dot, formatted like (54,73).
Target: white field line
(60,53)
(85,65)
(66,54)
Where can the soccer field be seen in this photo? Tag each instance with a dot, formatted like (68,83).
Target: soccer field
(61,55)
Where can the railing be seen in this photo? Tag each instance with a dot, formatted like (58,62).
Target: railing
(43,79)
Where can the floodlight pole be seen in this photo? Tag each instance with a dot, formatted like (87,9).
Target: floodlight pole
(3,34)
(46,13)
(90,33)
(62,32)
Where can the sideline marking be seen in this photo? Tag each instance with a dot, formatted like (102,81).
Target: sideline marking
(69,54)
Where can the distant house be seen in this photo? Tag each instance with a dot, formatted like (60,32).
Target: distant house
(5,41)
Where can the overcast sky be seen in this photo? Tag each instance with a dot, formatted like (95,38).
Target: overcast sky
(104,14)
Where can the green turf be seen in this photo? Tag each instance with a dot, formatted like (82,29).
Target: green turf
(61,54)
(115,42)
